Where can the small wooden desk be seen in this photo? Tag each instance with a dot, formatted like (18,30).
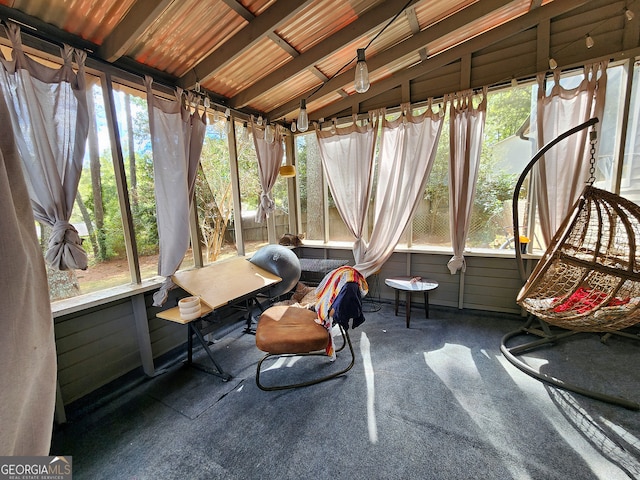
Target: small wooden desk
(218,284)
(410,285)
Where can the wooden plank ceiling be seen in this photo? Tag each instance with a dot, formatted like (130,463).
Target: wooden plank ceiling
(266,55)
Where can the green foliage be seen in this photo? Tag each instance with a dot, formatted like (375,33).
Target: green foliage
(144,212)
(507,110)
(301,168)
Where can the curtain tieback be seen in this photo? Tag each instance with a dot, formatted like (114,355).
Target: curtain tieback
(65,250)
(160,297)
(267,205)
(456,263)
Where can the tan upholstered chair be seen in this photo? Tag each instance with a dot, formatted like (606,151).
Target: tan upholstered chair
(293,331)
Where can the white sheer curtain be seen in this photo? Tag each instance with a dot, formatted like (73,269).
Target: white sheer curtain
(50,120)
(176,139)
(347,159)
(466,128)
(561,174)
(27,345)
(408,148)
(269,161)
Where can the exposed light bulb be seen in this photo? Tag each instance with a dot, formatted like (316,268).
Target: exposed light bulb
(588,40)
(227,126)
(514,82)
(293,126)
(553,64)
(227,112)
(245,132)
(362,73)
(303,118)
(260,121)
(207,102)
(629,14)
(197,88)
(269,134)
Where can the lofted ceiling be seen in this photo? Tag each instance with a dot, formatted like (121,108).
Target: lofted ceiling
(266,55)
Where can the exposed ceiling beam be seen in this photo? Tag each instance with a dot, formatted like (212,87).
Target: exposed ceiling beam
(412,44)
(484,40)
(141,15)
(371,19)
(245,39)
(239,9)
(415,29)
(281,42)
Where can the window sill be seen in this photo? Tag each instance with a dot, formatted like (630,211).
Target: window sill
(429,250)
(79,303)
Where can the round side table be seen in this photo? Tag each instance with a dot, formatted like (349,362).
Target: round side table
(411,285)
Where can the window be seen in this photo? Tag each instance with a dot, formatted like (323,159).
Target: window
(310,186)
(609,130)
(430,224)
(257,234)
(214,194)
(505,152)
(133,125)
(630,185)
(96,214)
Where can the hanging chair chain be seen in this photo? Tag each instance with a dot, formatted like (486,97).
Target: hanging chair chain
(593,138)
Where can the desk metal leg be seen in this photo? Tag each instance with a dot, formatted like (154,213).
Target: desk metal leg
(193,329)
(408,313)
(249,319)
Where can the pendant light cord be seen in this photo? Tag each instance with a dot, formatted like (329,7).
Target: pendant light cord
(365,48)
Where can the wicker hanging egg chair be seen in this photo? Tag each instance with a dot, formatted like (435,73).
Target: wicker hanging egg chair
(588,280)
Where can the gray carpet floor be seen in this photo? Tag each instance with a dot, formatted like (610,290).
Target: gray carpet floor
(436,401)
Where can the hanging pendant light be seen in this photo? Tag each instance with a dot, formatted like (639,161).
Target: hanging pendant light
(245,132)
(293,126)
(303,118)
(287,171)
(553,64)
(588,40)
(362,73)
(269,134)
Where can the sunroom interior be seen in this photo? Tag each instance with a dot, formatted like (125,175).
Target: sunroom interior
(285,69)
